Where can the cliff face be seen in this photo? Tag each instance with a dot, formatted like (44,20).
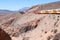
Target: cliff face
(31,26)
(47,27)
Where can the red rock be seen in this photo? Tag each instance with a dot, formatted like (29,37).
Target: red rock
(4,35)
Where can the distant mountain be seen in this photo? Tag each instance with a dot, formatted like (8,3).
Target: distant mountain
(4,12)
(24,9)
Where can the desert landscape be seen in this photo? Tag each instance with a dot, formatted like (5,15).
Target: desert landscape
(29,25)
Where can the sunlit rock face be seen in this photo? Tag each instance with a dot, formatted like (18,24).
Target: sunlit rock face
(45,27)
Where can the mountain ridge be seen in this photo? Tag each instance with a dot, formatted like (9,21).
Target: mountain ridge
(53,5)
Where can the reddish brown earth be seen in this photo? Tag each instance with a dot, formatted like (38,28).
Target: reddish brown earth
(4,35)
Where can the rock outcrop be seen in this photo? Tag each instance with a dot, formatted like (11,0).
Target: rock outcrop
(47,28)
(4,35)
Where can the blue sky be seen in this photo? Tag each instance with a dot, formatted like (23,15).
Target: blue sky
(18,4)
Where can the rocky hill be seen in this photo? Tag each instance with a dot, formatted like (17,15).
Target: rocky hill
(53,5)
(31,26)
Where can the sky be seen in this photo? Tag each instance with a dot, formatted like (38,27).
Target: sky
(19,4)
